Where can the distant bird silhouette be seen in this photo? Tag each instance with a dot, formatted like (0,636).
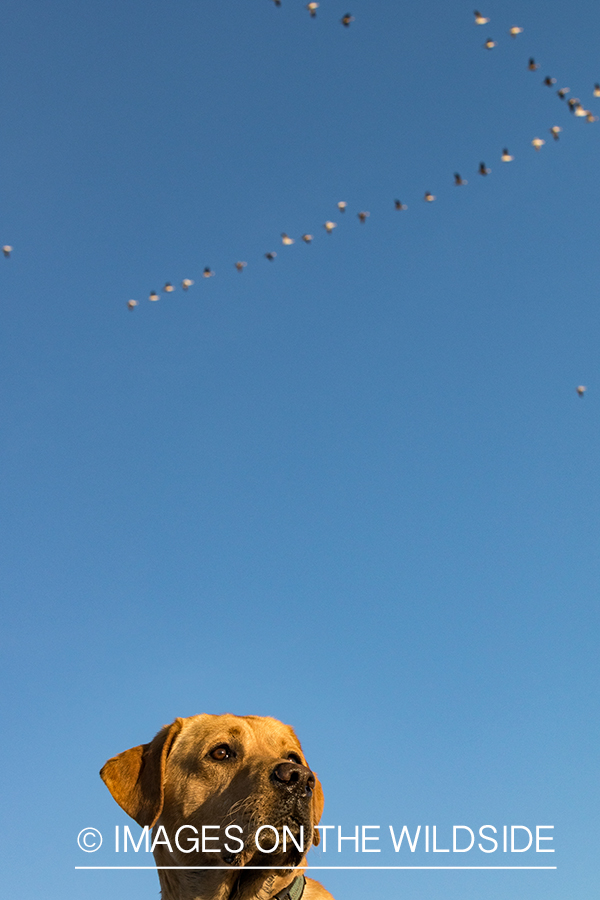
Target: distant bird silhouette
(458,180)
(506,157)
(186,283)
(168,288)
(597,90)
(573,102)
(429,197)
(548,81)
(131,304)
(345,20)
(307,238)
(399,205)
(363,216)
(329,226)
(479,19)
(7,250)
(489,44)
(153,296)
(515,30)
(277,2)
(286,239)
(532,64)
(562,92)
(271,255)
(312,8)
(555,131)
(581,389)
(208,272)
(342,206)
(538,143)
(483,170)
(591,117)
(240,266)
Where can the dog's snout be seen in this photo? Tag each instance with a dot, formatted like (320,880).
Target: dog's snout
(295,777)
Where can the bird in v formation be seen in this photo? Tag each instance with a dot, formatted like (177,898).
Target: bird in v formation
(575,106)
(362,216)
(342,205)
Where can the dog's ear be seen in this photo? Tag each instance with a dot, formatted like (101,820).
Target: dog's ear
(318,804)
(136,777)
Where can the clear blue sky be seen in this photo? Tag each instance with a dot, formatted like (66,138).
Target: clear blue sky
(353,488)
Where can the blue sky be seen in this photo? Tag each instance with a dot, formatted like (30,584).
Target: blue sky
(353,488)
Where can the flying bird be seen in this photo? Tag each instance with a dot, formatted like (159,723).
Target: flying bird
(345,20)
(286,239)
(240,266)
(312,8)
(479,19)
(597,90)
(429,197)
(548,81)
(329,226)
(489,44)
(458,180)
(271,255)
(591,117)
(532,64)
(131,304)
(363,216)
(153,296)
(7,250)
(342,206)
(186,283)
(168,288)
(581,389)
(581,112)
(307,238)
(515,30)
(483,170)
(506,157)
(538,143)
(208,272)
(399,205)
(555,131)
(562,92)
(277,2)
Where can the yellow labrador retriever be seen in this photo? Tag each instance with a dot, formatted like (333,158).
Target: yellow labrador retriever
(232,794)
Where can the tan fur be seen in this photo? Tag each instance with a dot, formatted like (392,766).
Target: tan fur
(174,781)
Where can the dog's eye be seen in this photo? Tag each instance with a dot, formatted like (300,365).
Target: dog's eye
(223,751)
(294,758)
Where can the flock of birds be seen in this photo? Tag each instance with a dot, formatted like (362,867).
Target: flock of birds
(575,105)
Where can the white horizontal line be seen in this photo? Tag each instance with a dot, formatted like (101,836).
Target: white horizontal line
(312,868)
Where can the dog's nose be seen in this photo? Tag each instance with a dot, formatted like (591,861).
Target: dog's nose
(294,777)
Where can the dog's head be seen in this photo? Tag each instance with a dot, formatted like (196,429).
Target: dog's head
(244,771)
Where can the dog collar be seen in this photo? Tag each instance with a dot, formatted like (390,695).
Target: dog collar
(293,891)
